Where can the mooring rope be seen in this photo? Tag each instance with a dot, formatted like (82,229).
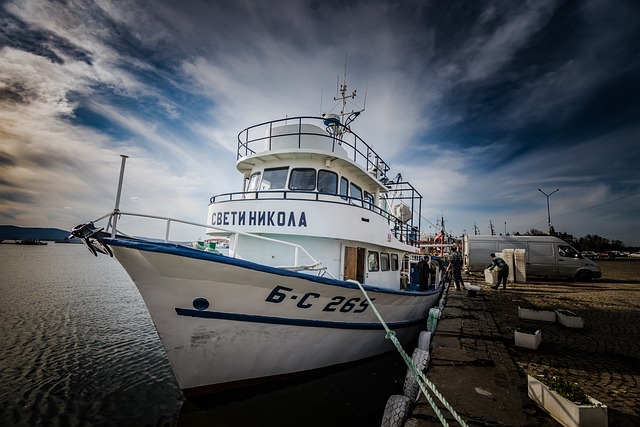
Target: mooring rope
(314,266)
(418,375)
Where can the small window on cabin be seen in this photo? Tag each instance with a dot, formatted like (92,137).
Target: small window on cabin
(327,182)
(274,178)
(254,181)
(384,261)
(302,179)
(368,200)
(373,261)
(344,187)
(356,194)
(394,262)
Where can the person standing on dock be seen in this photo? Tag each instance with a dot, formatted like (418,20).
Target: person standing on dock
(503,270)
(455,265)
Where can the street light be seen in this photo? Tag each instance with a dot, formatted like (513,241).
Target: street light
(548,211)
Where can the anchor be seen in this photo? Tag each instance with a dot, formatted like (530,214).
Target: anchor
(92,238)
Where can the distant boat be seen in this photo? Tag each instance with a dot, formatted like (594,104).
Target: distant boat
(316,236)
(30,242)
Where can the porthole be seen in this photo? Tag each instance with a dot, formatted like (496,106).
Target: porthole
(200,304)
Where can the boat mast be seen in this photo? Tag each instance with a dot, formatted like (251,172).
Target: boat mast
(116,209)
(345,117)
(342,96)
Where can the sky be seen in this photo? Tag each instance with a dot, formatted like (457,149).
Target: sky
(477,103)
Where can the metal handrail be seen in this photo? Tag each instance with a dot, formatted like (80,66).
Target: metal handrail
(358,155)
(401,231)
(169,220)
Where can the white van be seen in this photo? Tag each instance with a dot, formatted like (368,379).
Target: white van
(544,256)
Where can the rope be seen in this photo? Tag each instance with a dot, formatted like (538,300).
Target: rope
(419,376)
(315,266)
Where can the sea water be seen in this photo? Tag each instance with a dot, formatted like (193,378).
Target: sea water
(78,348)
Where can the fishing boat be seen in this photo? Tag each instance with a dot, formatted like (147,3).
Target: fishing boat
(322,247)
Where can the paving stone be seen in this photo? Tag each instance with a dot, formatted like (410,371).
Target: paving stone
(477,367)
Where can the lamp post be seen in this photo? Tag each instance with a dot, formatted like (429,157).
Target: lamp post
(548,211)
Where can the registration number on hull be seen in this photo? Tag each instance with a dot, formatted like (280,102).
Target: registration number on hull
(339,303)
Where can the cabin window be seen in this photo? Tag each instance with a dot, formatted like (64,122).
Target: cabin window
(253,182)
(356,194)
(274,178)
(302,179)
(394,262)
(373,261)
(344,187)
(327,182)
(384,261)
(368,200)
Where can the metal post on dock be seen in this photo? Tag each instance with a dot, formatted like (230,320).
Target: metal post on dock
(116,208)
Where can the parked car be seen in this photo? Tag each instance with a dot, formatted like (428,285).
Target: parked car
(589,254)
(635,255)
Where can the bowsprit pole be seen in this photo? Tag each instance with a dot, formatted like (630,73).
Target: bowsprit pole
(116,208)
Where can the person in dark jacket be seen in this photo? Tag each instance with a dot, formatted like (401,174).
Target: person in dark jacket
(503,270)
(455,265)
(423,272)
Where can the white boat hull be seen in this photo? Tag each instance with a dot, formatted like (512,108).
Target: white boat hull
(223,321)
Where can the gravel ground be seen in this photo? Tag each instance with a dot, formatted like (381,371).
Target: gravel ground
(604,356)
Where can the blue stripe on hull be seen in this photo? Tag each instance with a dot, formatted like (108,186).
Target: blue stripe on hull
(295,322)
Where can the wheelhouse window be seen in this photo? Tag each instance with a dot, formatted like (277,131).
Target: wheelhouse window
(274,178)
(344,187)
(302,179)
(327,182)
(384,261)
(394,262)
(373,261)
(368,200)
(254,181)
(356,194)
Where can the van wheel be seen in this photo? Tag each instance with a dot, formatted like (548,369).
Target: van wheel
(584,276)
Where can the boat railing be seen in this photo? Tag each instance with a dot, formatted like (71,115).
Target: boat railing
(403,231)
(297,249)
(260,138)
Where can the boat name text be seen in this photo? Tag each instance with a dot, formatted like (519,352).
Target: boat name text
(267,218)
(338,303)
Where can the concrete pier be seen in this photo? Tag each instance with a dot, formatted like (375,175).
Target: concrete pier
(482,374)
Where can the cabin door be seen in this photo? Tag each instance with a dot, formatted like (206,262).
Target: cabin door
(354,261)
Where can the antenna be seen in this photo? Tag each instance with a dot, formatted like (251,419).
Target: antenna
(337,124)
(366,90)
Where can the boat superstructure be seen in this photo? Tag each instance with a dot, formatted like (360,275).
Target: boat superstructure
(317,224)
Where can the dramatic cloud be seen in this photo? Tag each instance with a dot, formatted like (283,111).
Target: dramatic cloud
(479,104)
